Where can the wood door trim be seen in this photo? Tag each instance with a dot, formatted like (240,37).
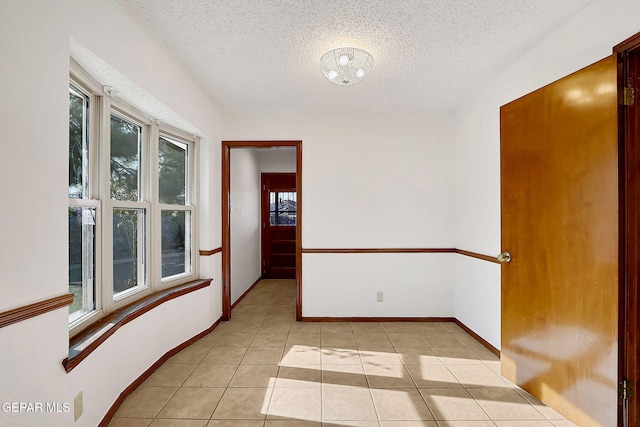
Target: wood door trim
(400,250)
(210,252)
(28,311)
(226,147)
(629,226)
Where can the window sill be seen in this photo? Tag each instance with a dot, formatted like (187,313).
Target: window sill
(84,343)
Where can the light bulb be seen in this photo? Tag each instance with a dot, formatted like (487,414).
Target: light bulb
(344,60)
(333,74)
(360,73)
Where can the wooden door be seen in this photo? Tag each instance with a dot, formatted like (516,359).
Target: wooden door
(559,201)
(279,221)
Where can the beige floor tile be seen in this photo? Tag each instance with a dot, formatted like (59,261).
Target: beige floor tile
(344,375)
(404,339)
(505,404)
(400,405)
(408,424)
(191,354)
(453,328)
(377,339)
(303,338)
(145,402)
(306,328)
(391,327)
(442,340)
(351,423)
(301,355)
(263,356)
(545,410)
(243,404)
(256,376)
(453,405)
(380,358)
(474,376)
(130,422)
(456,356)
(269,340)
(236,423)
(466,424)
(338,340)
(421,355)
(206,375)
(210,339)
(530,423)
(367,327)
(347,403)
(235,339)
(192,403)
(299,377)
(426,327)
(433,377)
(293,423)
(170,374)
(225,355)
(272,327)
(333,356)
(388,376)
(178,423)
(296,403)
(563,423)
(336,328)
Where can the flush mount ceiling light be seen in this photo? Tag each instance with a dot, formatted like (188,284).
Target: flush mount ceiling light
(346,65)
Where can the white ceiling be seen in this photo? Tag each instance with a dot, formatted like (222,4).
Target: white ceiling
(263,55)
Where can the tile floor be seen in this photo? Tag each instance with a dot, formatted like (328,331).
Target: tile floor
(263,368)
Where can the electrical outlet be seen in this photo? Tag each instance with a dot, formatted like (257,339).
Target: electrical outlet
(379,296)
(77,406)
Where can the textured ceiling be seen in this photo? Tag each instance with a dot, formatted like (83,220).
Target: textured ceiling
(263,55)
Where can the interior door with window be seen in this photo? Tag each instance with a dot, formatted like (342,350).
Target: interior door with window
(279,220)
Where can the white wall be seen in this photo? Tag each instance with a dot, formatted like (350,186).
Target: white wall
(277,160)
(585,39)
(369,180)
(35,46)
(245,220)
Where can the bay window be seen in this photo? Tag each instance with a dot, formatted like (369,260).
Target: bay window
(132,203)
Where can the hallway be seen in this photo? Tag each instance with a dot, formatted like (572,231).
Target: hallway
(263,368)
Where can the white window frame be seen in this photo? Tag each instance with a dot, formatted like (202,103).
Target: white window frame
(103,106)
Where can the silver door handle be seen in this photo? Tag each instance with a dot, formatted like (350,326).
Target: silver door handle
(504,257)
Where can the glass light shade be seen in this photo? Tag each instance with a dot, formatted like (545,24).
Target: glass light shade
(346,65)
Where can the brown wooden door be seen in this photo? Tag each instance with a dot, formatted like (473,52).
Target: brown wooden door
(279,220)
(559,201)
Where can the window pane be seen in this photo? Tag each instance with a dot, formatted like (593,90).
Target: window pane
(172,171)
(125,159)
(282,208)
(176,236)
(78,143)
(82,258)
(128,249)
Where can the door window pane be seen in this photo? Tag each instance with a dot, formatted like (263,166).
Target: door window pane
(126,138)
(172,172)
(128,249)
(282,207)
(78,143)
(176,236)
(82,258)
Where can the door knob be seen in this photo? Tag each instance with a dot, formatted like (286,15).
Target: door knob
(504,257)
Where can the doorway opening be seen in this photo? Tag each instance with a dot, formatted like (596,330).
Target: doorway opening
(227,147)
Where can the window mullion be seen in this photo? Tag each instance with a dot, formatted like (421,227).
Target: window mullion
(106,291)
(155,210)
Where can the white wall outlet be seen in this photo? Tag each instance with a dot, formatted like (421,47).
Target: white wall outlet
(379,296)
(77,406)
